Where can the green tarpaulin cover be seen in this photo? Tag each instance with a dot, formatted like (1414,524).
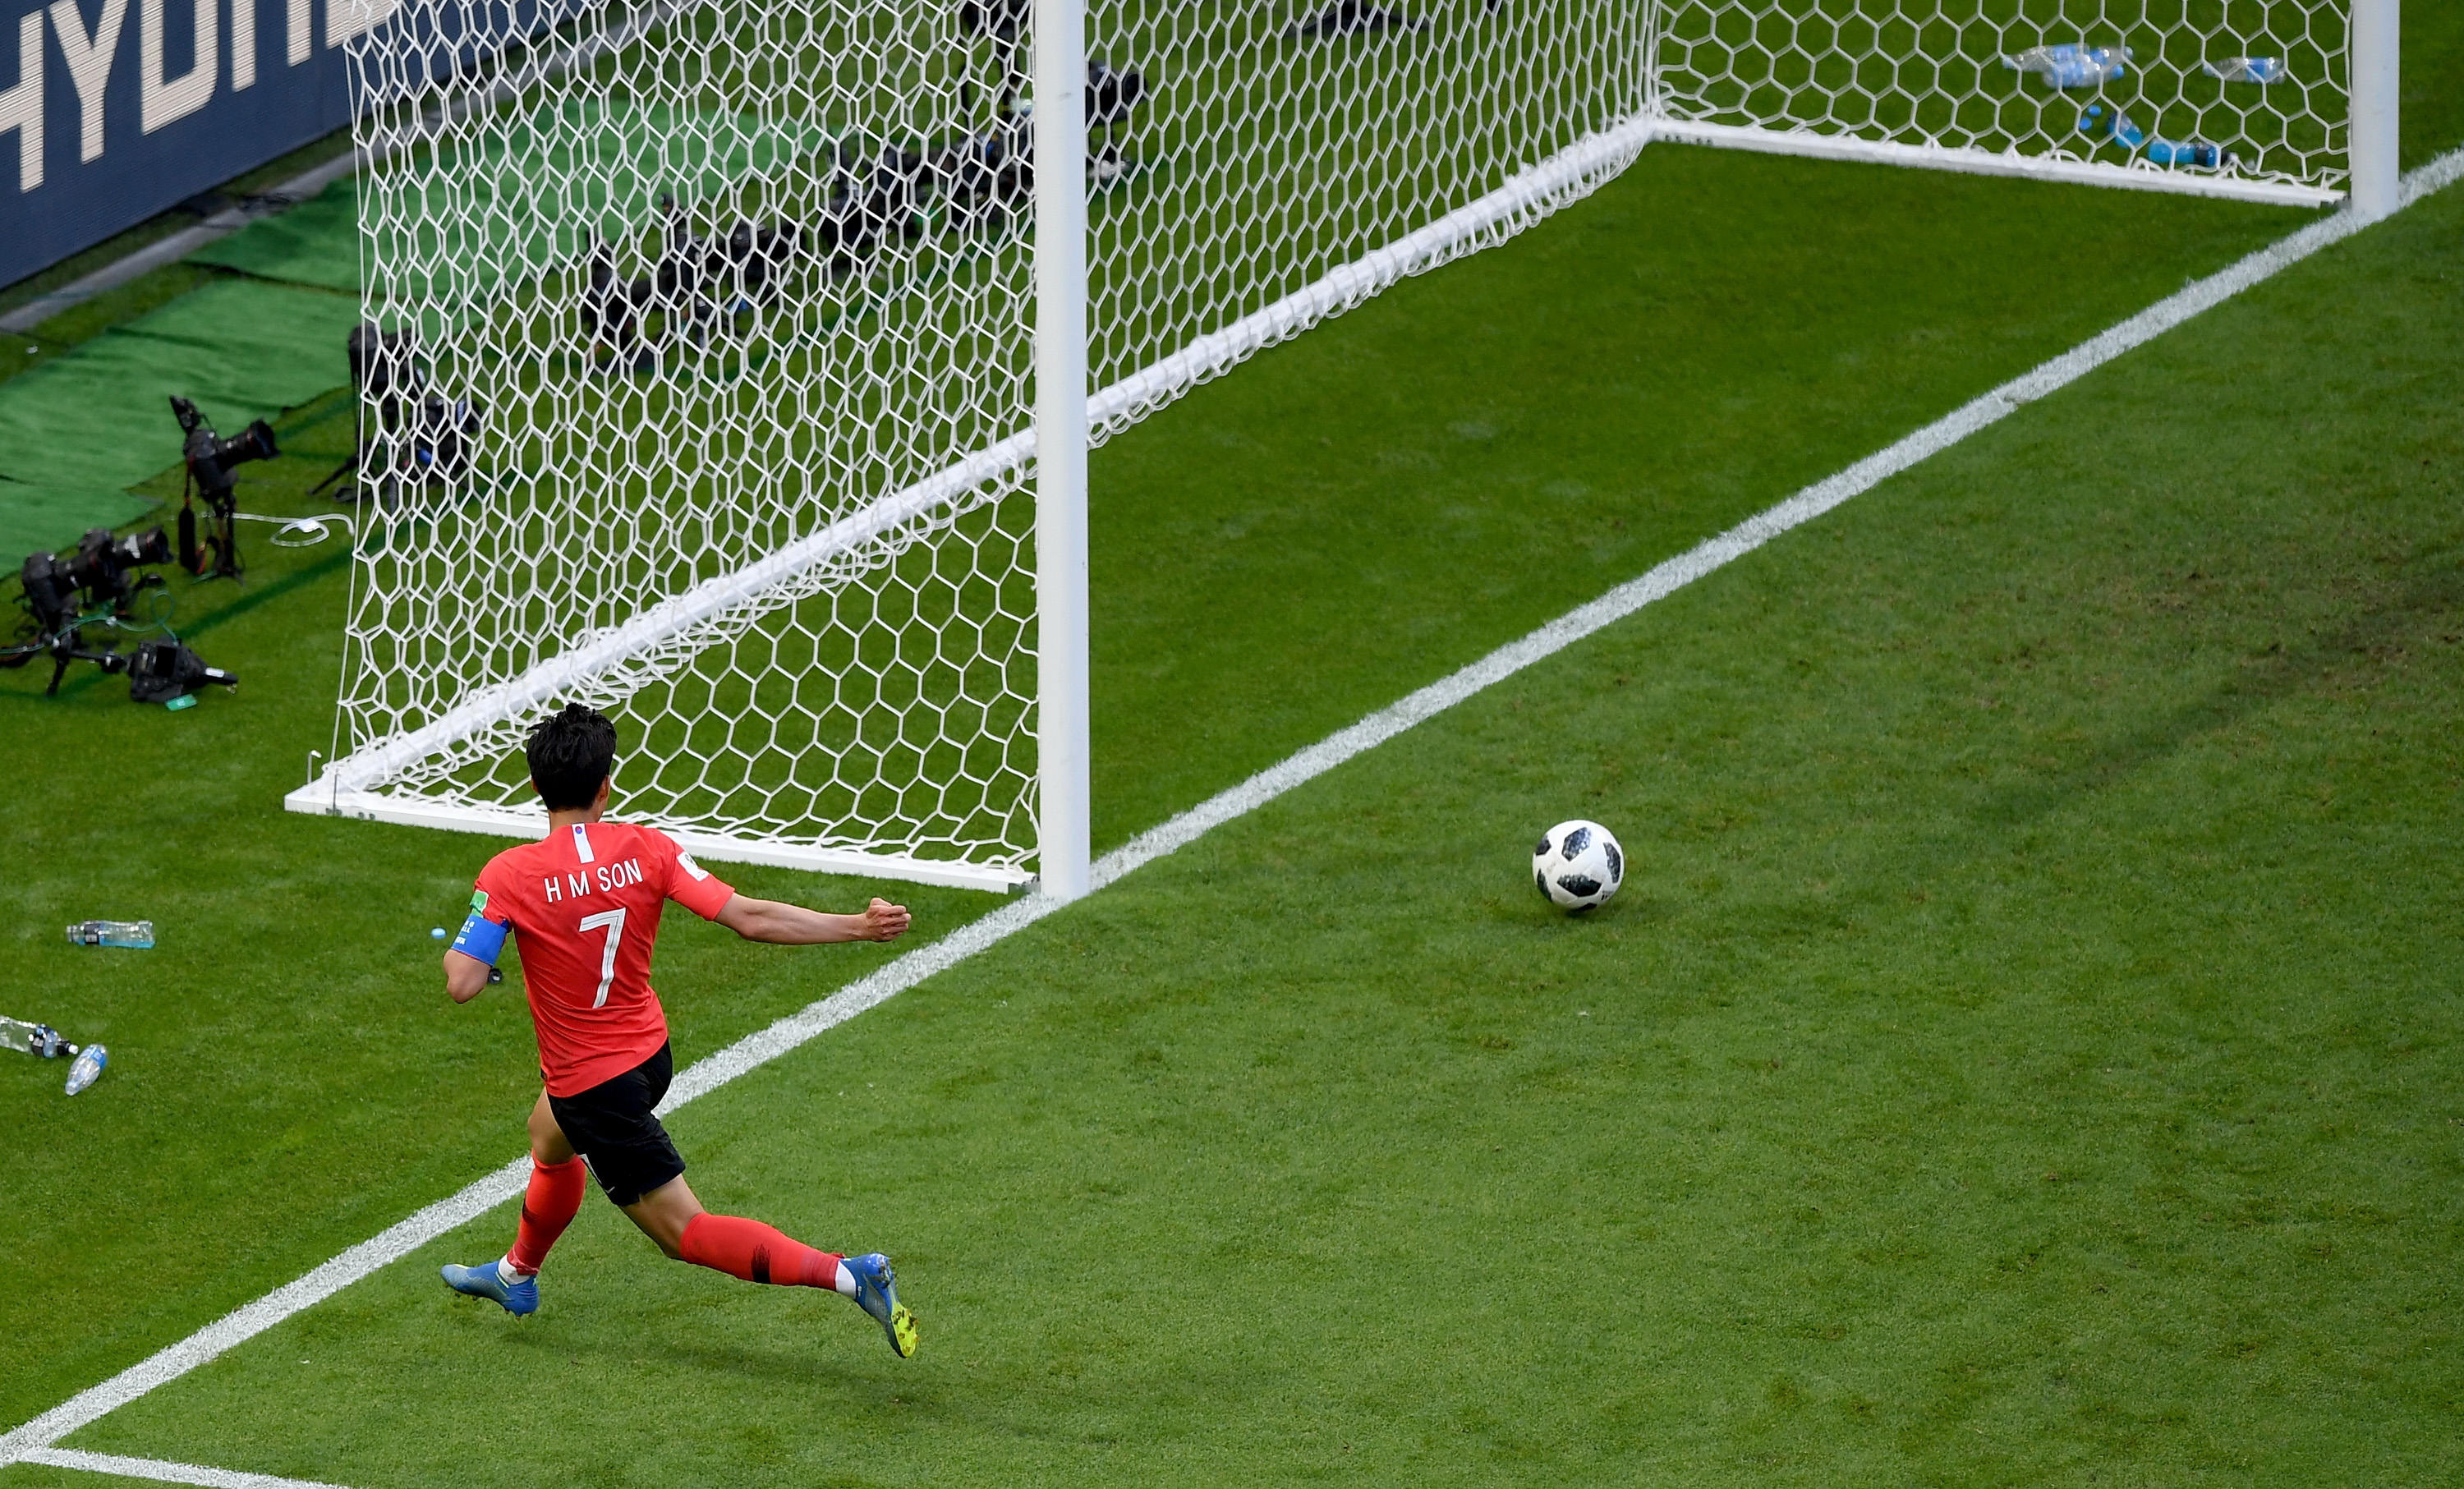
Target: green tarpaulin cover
(316,242)
(76,432)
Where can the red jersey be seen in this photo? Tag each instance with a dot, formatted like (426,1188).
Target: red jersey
(583,906)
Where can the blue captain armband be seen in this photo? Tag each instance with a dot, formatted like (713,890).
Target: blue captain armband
(481,937)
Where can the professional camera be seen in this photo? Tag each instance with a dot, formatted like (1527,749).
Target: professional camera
(210,460)
(439,447)
(421,435)
(101,566)
(99,569)
(1001,19)
(65,593)
(162,670)
(50,599)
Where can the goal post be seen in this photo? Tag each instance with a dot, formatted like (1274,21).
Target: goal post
(732,365)
(2377,87)
(1066,748)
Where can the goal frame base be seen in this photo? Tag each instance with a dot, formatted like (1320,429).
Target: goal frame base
(320,798)
(1986,162)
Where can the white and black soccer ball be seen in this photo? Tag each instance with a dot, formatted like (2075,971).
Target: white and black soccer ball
(1578,865)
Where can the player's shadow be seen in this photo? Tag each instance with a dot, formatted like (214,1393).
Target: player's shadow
(1630,907)
(792,1365)
(853,1383)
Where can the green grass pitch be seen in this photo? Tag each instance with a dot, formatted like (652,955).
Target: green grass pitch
(2024,1051)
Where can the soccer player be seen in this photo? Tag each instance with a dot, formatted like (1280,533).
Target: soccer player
(583,906)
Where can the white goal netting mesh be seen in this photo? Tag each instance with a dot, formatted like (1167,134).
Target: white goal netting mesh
(706,396)
(699,389)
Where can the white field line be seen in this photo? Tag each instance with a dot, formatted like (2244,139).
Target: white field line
(716,1070)
(165,1472)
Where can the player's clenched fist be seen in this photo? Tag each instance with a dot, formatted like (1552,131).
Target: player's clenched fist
(882,921)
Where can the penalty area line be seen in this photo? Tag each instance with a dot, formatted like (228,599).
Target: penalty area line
(897,976)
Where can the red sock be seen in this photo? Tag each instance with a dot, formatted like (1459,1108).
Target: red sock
(548,1207)
(756,1251)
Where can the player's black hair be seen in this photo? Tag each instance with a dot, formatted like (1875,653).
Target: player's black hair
(570,754)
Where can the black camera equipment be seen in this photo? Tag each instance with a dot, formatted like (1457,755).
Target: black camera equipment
(608,313)
(1356,18)
(689,279)
(1111,93)
(439,447)
(375,354)
(162,670)
(999,19)
(101,567)
(423,436)
(54,628)
(212,459)
(756,258)
(987,175)
(63,594)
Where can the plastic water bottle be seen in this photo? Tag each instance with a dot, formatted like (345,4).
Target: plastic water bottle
(2248,70)
(88,1068)
(2072,64)
(2174,152)
(135,934)
(2117,126)
(2092,68)
(39,1040)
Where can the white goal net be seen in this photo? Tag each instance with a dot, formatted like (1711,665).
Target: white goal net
(699,380)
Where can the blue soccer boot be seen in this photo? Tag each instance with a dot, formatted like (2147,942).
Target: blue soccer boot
(484,1280)
(876,1292)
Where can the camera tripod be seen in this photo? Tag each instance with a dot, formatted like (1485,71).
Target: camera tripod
(65,646)
(421,435)
(209,462)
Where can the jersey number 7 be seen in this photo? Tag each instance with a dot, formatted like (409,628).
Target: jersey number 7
(614,921)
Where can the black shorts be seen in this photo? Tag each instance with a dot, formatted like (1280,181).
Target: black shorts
(614,1125)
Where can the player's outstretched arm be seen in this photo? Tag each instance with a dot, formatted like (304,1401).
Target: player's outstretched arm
(466,978)
(792,925)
